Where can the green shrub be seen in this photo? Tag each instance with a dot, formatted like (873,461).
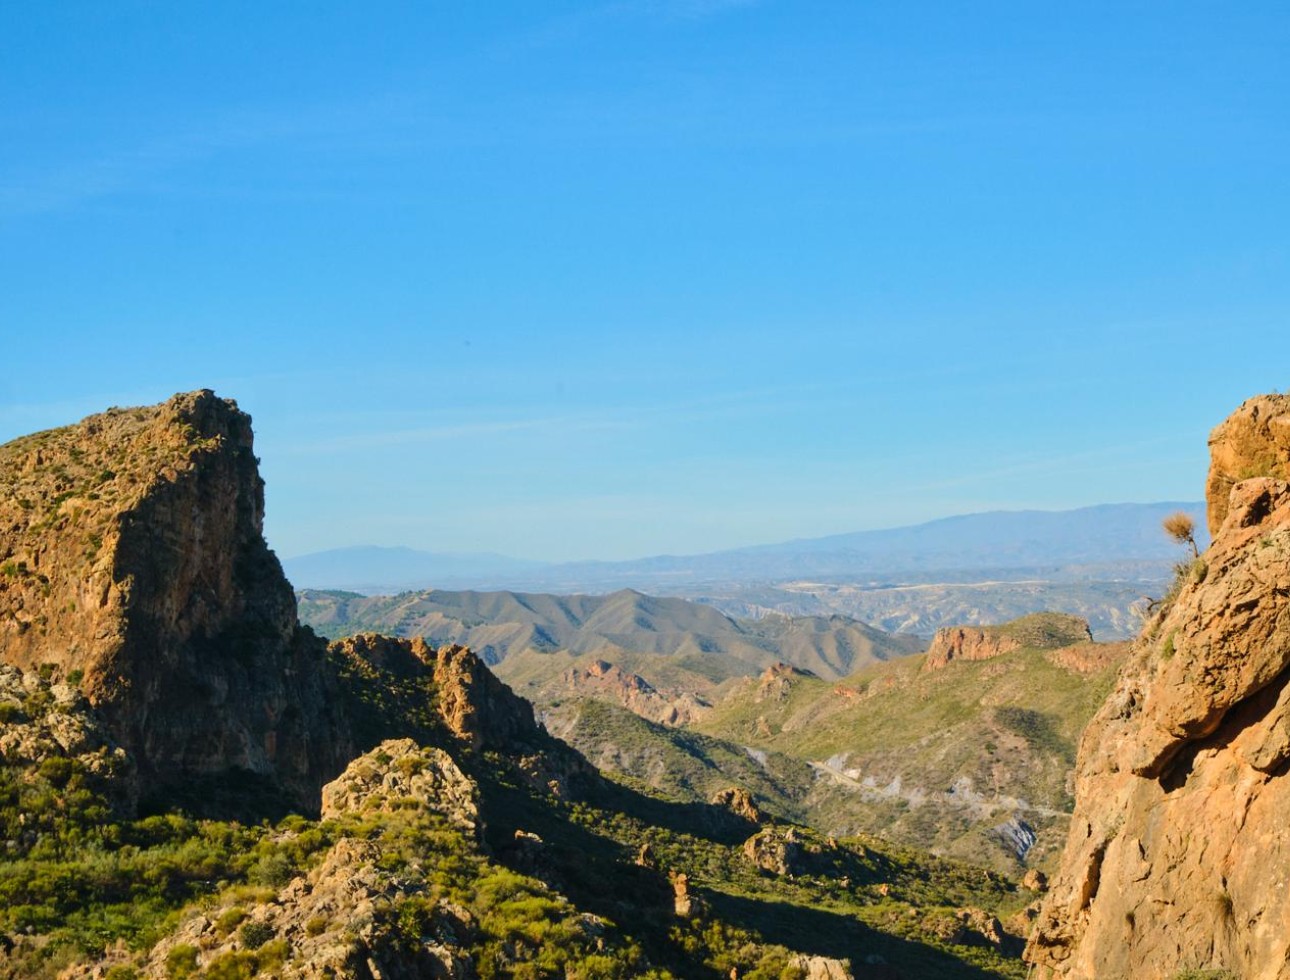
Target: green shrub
(229,920)
(316,926)
(181,961)
(255,934)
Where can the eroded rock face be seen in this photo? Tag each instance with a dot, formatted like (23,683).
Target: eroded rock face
(778,851)
(470,703)
(131,552)
(1253,441)
(966,643)
(740,802)
(822,968)
(776,681)
(1179,846)
(1048,631)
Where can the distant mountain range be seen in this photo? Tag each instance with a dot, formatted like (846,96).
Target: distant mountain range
(1095,562)
(1100,536)
(668,640)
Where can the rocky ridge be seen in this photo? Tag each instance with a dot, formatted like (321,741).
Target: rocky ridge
(1178,846)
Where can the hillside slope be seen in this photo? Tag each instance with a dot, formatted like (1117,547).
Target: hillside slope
(967,749)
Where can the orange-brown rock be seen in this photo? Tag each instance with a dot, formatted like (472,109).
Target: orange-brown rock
(1045,631)
(1179,847)
(776,681)
(1253,441)
(740,802)
(340,920)
(397,771)
(821,967)
(1089,658)
(966,643)
(131,557)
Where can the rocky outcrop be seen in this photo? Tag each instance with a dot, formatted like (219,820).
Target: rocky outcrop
(779,851)
(609,682)
(739,802)
(398,771)
(342,919)
(132,558)
(1089,658)
(1253,441)
(776,681)
(1044,631)
(821,968)
(966,643)
(1179,846)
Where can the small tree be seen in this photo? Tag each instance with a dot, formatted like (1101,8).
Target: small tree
(1182,529)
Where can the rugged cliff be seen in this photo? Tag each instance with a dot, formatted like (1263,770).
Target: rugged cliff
(1253,441)
(1179,849)
(132,564)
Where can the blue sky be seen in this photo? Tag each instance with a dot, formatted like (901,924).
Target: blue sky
(567,280)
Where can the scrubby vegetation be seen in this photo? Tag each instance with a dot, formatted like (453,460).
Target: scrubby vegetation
(567,898)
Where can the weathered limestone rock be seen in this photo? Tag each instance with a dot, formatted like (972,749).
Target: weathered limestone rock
(1179,849)
(40,721)
(740,802)
(1034,880)
(966,643)
(685,904)
(778,851)
(1253,441)
(776,681)
(609,682)
(471,704)
(131,554)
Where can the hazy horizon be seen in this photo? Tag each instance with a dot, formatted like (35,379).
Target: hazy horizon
(479,553)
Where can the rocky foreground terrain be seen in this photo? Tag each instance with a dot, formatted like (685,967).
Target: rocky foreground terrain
(192,784)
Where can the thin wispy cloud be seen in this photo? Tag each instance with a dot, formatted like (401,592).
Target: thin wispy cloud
(447,433)
(128,168)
